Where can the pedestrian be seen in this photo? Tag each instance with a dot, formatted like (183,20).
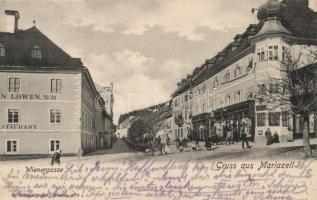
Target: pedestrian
(276,138)
(56,157)
(268,135)
(229,137)
(168,140)
(177,142)
(80,153)
(244,140)
(290,135)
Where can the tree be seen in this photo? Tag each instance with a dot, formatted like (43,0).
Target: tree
(294,89)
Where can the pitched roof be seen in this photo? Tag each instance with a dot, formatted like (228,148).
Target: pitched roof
(300,21)
(18,47)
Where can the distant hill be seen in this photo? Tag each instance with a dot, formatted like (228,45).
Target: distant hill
(150,115)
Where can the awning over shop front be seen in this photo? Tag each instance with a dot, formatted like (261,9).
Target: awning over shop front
(244,106)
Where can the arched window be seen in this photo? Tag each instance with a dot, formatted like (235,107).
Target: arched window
(36,52)
(2,50)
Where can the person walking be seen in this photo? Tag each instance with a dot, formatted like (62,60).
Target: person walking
(244,140)
(56,157)
(276,138)
(268,135)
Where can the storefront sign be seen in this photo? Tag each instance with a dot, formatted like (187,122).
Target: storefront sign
(30,97)
(18,126)
(260,108)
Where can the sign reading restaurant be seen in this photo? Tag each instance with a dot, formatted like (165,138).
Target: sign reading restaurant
(32,97)
(18,127)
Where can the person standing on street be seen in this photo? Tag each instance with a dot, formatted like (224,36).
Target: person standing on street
(56,157)
(244,140)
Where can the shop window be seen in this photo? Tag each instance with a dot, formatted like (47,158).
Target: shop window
(13,116)
(285,119)
(274,119)
(14,84)
(54,145)
(55,116)
(56,85)
(36,52)
(2,50)
(11,146)
(260,117)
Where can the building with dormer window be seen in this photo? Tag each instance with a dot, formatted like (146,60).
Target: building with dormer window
(48,100)
(238,77)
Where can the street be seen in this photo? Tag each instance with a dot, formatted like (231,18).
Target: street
(120,152)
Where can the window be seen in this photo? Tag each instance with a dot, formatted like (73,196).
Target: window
(12,146)
(2,50)
(13,116)
(228,99)
(36,52)
(237,71)
(216,82)
(226,78)
(55,116)
(56,85)
(260,117)
(273,52)
(261,55)
(274,119)
(238,96)
(285,120)
(54,145)
(14,84)
(262,89)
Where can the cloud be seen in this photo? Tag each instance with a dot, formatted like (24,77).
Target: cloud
(183,17)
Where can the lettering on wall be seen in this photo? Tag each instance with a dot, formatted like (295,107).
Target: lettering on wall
(18,127)
(30,97)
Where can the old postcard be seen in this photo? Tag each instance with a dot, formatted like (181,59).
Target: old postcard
(158,99)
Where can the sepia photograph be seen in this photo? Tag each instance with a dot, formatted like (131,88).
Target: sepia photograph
(158,99)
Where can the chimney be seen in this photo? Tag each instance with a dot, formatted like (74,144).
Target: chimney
(13,17)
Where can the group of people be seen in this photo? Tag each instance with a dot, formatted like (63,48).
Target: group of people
(270,139)
(158,143)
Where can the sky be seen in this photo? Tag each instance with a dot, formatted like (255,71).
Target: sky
(143,46)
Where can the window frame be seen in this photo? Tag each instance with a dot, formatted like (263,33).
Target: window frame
(273,116)
(16,147)
(55,115)
(36,52)
(57,89)
(2,50)
(261,121)
(54,140)
(18,116)
(15,84)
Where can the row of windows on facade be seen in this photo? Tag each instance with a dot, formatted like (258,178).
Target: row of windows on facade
(14,116)
(228,100)
(15,85)
(36,52)
(271,53)
(12,145)
(87,121)
(215,83)
(273,119)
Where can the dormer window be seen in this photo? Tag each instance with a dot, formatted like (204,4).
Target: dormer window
(2,50)
(226,78)
(36,52)
(216,82)
(237,70)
